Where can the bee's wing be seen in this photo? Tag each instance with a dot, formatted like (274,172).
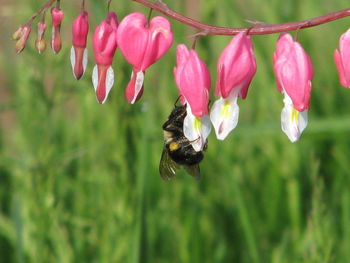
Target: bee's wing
(193,170)
(167,167)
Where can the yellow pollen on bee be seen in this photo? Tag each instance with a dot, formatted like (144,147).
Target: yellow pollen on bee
(294,116)
(173,146)
(226,110)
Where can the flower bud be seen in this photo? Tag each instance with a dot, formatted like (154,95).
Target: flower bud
(79,55)
(22,38)
(342,59)
(57,17)
(40,43)
(17,35)
(104,45)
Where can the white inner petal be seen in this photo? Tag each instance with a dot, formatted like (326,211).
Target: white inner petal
(293,122)
(85,59)
(224,116)
(95,77)
(196,130)
(138,84)
(72,59)
(109,82)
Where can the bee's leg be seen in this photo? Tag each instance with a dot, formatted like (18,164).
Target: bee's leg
(190,142)
(171,128)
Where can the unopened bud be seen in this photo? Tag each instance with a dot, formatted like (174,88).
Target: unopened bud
(41,29)
(23,38)
(40,45)
(17,35)
(57,17)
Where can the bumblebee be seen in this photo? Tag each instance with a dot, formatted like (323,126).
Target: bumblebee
(178,151)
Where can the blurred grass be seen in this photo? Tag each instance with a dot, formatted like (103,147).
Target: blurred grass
(79,181)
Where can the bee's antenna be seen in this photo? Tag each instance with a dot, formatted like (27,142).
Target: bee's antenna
(177,100)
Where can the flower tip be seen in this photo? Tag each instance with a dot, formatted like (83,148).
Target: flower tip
(40,45)
(134,89)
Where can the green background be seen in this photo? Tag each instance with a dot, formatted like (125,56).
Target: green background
(79,181)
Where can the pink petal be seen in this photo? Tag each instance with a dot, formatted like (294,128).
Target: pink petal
(80,30)
(133,38)
(339,65)
(160,40)
(293,70)
(193,80)
(238,62)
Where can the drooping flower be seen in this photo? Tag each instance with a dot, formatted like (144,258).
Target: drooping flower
(57,17)
(79,52)
(104,45)
(236,68)
(21,36)
(192,78)
(293,70)
(142,43)
(342,59)
(40,43)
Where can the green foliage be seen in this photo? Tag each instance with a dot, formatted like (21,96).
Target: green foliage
(79,181)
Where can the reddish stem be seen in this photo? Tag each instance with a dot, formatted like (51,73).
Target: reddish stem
(258,28)
(43,7)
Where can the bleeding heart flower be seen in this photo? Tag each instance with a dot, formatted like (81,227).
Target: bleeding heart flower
(293,70)
(342,59)
(142,44)
(192,78)
(79,52)
(236,68)
(104,44)
(57,17)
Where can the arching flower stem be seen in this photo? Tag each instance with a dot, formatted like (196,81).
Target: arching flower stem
(259,28)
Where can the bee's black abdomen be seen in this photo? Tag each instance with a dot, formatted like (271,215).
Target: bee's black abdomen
(177,146)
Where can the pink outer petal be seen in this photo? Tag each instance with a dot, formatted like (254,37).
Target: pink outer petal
(130,89)
(101,86)
(133,38)
(78,66)
(104,43)
(80,30)
(193,80)
(160,40)
(339,65)
(293,70)
(344,58)
(57,16)
(141,45)
(236,67)
(56,43)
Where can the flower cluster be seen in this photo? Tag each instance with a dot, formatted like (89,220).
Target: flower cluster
(144,41)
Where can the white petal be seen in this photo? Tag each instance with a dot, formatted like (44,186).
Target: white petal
(138,84)
(196,130)
(95,77)
(72,59)
(224,116)
(293,122)
(85,59)
(206,128)
(109,82)
(303,120)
